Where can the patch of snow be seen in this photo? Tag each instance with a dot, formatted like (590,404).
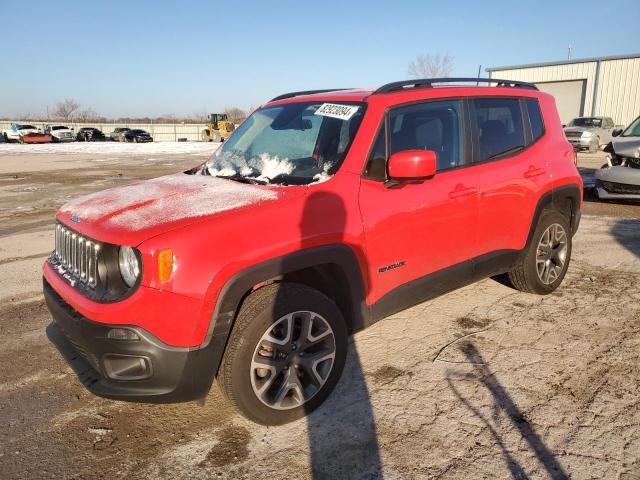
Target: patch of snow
(265,165)
(165,199)
(271,167)
(324,175)
(110,148)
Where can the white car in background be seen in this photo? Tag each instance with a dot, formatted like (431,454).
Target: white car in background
(619,178)
(60,133)
(17,130)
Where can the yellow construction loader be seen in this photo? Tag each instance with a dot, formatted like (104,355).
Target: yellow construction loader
(218,129)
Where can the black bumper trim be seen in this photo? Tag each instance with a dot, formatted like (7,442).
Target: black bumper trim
(179,374)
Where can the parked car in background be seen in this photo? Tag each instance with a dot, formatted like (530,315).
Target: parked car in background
(325,212)
(137,135)
(118,134)
(619,178)
(60,133)
(589,133)
(25,133)
(90,134)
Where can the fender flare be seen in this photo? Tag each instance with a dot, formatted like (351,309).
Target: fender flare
(557,199)
(235,289)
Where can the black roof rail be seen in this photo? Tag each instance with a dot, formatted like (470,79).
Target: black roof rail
(428,83)
(307,92)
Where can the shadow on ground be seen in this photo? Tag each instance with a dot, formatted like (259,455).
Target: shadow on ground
(502,401)
(627,234)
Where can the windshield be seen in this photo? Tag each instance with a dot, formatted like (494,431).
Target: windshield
(588,122)
(632,130)
(295,143)
(137,131)
(58,127)
(24,127)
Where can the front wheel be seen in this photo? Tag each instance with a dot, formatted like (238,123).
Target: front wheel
(545,262)
(285,354)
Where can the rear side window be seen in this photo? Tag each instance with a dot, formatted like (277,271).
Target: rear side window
(535,118)
(499,122)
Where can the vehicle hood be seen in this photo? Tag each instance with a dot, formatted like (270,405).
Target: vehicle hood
(579,129)
(134,213)
(618,174)
(26,131)
(626,146)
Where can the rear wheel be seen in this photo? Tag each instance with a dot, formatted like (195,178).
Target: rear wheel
(546,260)
(285,354)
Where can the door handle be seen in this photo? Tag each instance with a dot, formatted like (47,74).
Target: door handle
(534,172)
(462,191)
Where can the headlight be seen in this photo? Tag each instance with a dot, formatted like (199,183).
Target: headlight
(129,265)
(587,134)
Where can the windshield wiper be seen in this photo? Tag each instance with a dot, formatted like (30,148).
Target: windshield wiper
(243,179)
(511,151)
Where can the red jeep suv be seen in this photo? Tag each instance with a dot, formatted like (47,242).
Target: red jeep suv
(323,213)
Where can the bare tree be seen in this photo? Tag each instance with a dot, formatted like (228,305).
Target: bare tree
(431,66)
(65,110)
(88,115)
(236,115)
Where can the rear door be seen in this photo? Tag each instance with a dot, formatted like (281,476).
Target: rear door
(416,229)
(510,169)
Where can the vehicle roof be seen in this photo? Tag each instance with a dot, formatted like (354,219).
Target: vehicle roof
(366,94)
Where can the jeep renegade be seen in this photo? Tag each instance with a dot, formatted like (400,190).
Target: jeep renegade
(323,213)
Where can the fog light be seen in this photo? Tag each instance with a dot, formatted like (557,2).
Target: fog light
(126,367)
(122,334)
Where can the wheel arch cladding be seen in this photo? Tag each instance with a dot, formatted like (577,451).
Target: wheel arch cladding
(566,200)
(338,276)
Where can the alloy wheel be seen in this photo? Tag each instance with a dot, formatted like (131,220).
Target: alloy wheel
(293,360)
(551,253)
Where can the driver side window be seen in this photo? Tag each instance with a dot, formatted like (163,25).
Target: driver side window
(434,125)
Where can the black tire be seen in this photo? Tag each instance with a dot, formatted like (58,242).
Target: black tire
(524,276)
(259,311)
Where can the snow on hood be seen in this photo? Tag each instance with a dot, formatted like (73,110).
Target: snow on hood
(164,200)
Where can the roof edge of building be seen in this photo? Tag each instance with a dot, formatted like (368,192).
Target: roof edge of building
(563,62)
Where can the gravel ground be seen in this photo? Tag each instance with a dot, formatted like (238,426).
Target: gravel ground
(484,382)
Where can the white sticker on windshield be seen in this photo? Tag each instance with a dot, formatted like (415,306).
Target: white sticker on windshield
(343,112)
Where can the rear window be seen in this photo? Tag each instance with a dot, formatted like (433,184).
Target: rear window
(500,123)
(535,118)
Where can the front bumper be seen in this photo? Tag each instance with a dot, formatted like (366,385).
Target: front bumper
(143,370)
(581,143)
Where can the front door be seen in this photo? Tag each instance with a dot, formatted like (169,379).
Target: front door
(414,230)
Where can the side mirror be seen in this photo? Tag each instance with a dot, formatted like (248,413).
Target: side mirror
(616,132)
(409,165)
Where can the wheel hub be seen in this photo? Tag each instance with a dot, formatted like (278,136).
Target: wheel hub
(551,253)
(293,360)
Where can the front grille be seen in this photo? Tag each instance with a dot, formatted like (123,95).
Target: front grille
(574,134)
(76,256)
(621,188)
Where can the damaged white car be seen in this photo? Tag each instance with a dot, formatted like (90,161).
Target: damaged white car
(619,178)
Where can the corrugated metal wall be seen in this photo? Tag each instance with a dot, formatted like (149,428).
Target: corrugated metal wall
(161,132)
(618,84)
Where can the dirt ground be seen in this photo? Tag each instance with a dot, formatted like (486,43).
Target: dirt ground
(484,382)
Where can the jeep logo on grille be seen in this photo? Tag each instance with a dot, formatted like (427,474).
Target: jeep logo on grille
(75,218)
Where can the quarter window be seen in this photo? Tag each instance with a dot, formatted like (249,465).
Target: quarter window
(499,121)
(535,119)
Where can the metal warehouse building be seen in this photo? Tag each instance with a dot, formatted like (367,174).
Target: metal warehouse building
(605,86)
